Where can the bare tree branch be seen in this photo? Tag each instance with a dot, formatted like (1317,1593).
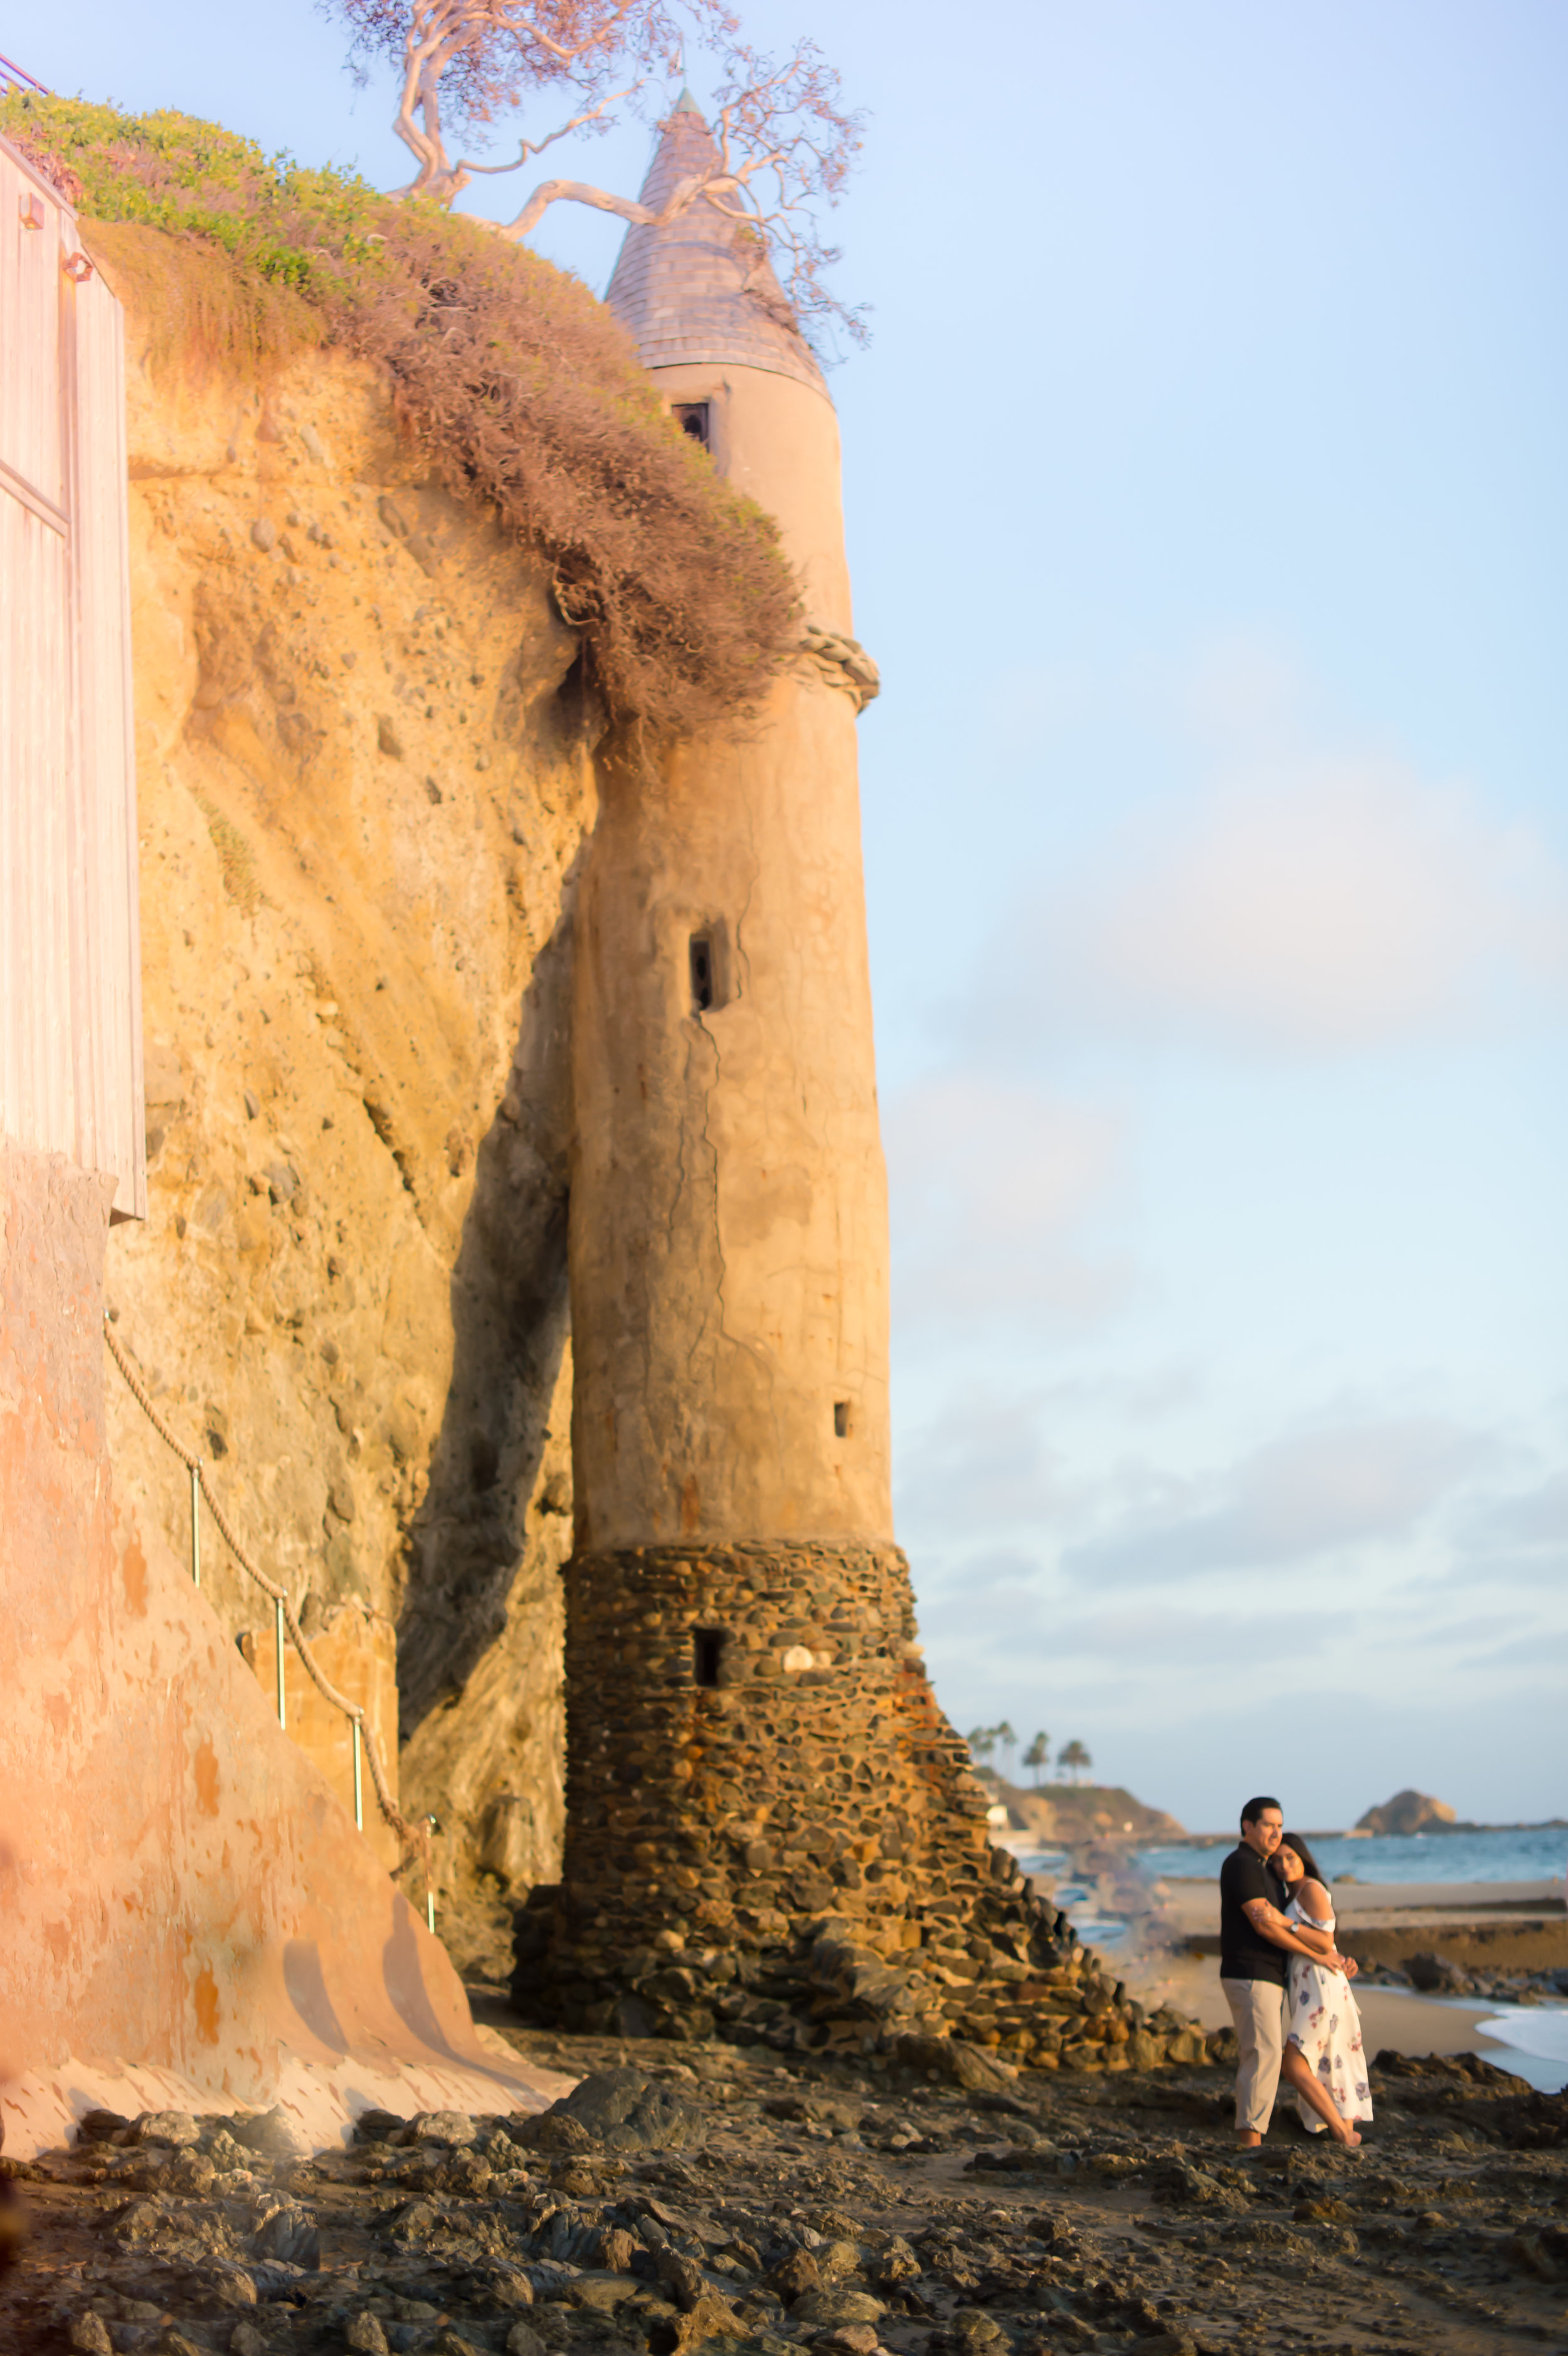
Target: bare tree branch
(785,144)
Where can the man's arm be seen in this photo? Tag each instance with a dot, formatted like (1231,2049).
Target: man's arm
(1270,1924)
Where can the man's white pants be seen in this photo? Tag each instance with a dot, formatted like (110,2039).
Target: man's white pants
(1257,2008)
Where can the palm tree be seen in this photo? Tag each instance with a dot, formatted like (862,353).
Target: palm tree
(981,1742)
(1074,1758)
(1009,1743)
(1037,1757)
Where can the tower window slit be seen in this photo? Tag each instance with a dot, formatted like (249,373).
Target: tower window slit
(702,973)
(707,1652)
(840,1419)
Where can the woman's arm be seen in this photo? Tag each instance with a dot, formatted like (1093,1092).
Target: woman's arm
(1271,1925)
(1310,1896)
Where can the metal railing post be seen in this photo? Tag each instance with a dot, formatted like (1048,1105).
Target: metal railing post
(366,1751)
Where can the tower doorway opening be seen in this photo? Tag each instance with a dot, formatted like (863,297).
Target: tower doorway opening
(701,972)
(707,1656)
(691,416)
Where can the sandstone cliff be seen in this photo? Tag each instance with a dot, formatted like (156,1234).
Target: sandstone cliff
(365,776)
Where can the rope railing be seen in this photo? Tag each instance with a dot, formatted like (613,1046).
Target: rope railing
(412,1837)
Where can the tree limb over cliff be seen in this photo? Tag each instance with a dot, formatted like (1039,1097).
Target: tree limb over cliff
(784,144)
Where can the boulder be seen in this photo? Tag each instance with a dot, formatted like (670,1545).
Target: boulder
(271,2133)
(950,2059)
(628,2111)
(828,2307)
(166,2126)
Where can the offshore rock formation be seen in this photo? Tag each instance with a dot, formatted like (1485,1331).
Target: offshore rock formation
(365,778)
(1409,1812)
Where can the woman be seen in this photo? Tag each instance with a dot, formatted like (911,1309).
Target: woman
(1324,2061)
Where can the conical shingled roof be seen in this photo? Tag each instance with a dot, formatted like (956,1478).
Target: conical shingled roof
(700,289)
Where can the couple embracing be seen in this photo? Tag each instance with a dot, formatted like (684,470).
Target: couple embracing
(1287,1986)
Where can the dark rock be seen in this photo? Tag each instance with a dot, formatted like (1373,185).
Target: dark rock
(862,1980)
(442,2126)
(413,2221)
(288,2234)
(225,2284)
(949,2058)
(100,2127)
(272,2133)
(852,2338)
(832,2305)
(553,2130)
(681,2277)
(1434,1974)
(798,2275)
(628,2111)
(896,2264)
(376,2126)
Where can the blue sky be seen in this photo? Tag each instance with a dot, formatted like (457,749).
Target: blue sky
(1209,517)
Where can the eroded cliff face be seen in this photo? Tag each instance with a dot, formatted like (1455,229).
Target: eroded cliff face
(365,778)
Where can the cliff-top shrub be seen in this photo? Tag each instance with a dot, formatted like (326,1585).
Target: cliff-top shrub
(518,388)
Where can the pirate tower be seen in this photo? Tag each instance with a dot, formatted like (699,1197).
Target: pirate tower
(770,1829)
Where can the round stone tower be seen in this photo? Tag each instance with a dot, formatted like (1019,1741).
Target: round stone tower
(771,1830)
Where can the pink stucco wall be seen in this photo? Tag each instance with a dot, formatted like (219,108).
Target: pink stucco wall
(178,1884)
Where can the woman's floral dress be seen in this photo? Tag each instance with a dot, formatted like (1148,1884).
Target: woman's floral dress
(1327,2026)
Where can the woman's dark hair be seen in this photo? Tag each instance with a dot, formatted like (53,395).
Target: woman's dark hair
(1313,1870)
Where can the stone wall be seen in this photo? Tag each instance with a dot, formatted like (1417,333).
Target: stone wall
(773,1833)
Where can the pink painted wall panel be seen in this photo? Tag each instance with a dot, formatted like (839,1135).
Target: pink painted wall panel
(70,1031)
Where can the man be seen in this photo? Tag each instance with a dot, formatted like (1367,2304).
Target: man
(1255,1942)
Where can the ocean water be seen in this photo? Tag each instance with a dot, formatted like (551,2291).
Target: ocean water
(1541,1854)
(1538,2037)
(1077,1902)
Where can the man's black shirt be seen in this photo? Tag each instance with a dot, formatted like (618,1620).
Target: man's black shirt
(1245,1953)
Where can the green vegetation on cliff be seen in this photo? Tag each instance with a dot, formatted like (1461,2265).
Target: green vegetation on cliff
(520,389)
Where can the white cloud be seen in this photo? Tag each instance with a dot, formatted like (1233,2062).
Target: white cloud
(983,1465)
(1310,1493)
(987,1179)
(1317,906)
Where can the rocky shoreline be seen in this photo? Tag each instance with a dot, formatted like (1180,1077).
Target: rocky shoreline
(921,2203)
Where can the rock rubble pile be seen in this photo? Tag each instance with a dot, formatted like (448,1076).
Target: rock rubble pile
(763,2205)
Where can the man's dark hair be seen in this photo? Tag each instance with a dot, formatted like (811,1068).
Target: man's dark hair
(1255,1808)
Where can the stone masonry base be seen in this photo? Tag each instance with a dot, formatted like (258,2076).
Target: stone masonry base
(772,1834)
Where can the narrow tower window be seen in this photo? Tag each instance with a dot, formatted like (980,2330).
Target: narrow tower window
(702,973)
(691,416)
(840,1419)
(707,1652)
